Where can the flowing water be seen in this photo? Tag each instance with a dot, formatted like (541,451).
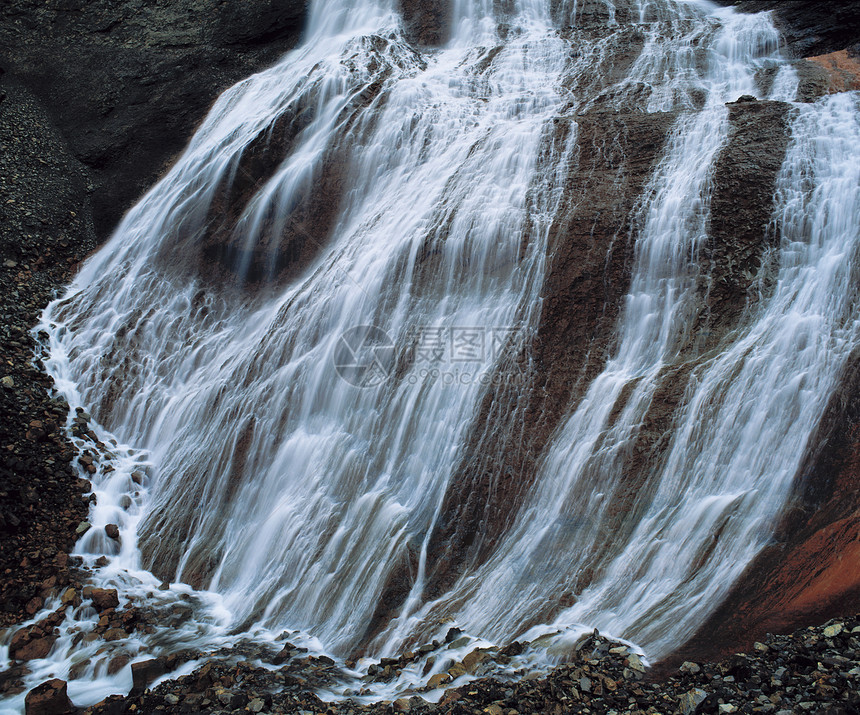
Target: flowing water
(287,492)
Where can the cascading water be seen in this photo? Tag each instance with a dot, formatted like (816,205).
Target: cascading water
(290,492)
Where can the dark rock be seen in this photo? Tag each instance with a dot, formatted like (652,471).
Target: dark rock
(112,530)
(126,84)
(49,698)
(810,28)
(142,674)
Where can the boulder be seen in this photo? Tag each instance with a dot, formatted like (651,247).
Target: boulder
(142,674)
(49,698)
(104,598)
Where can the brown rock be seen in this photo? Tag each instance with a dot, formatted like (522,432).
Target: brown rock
(49,698)
(104,598)
(437,680)
(117,664)
(471,661)
(112,530)
(115,634)
(142,674)
(30,644)
(33,605)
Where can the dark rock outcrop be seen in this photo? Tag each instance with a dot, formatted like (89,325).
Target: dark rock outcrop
(810,28)
(126,83)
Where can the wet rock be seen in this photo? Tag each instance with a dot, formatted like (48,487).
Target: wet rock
(112,531)
(49,698)
(437,680)
(142,674)
(31,643)
(810,29)
(104,598)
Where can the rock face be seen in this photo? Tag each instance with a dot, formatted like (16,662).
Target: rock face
(126,83)
(810,28)
(590,263)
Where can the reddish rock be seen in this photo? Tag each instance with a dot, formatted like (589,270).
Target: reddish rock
(49,698)
(112,530)
(104,598)
(843,71)
(31,643)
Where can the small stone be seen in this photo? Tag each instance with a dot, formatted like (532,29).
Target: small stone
(9,263)
(256,705)
(727,708)
(83,528)
(585,684)
(49,698)
(493,710)
(69,597)
(619,650)
(688,702)
(112,530)
(402,705)
(171,699)
(833,630)
(761,647)
(635,662)
(689,667)
(8,382)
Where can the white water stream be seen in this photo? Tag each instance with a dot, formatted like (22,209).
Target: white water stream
(291,495)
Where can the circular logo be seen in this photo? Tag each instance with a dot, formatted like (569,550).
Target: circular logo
(364,356)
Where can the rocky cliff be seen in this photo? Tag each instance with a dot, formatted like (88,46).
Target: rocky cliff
(98,97)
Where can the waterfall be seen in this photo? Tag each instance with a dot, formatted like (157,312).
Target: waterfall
(290,336)
(737,442)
